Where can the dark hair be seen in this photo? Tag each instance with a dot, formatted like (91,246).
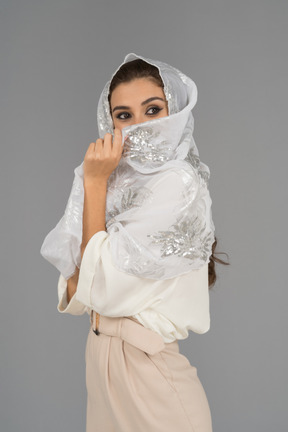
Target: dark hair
(140,69)
(132,70)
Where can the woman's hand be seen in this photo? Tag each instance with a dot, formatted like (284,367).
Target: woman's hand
(103,157)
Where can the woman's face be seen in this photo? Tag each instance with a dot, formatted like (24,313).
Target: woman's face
(137,101)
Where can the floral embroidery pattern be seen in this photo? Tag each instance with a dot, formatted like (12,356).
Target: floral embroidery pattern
(194,160)
(132,197)
(140,147)
(186,239)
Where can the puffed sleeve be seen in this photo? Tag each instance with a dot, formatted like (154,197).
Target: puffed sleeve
(111,292)
(74,307)
(62,245)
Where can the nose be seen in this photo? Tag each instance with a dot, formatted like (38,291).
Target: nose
(139,118)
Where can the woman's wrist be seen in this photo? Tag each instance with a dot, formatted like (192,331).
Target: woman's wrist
(95,182)
(94,209)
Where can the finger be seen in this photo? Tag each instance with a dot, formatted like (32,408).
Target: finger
(117,142)
(107,147)
(99,146)
(90,148)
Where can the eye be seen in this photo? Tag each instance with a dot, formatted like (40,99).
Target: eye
(154,110)
(123,116)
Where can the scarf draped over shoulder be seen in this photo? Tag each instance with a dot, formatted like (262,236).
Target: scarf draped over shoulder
(158,206)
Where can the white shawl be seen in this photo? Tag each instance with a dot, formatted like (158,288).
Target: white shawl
(158,207)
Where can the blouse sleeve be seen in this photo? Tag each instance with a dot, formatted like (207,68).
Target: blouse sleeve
(74,307)
(111,292)
(152,262)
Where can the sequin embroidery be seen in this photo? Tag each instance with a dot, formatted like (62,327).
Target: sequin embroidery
(185,239)
(132,197)
(105,122)
(194,160)
(140,147)
(73,211)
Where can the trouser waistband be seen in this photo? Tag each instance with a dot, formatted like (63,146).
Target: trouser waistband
(131,331)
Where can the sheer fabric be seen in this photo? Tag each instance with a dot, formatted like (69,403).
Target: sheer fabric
(158,209)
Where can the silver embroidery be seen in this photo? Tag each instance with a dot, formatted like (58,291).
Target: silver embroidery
(105,123)
(110,221)
(172,102)
(132,197)
(74,208)
(194,160)
(205,176)
(140,147)
(137,262)
(186,239)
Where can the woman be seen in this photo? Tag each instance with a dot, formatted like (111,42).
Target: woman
(135,250)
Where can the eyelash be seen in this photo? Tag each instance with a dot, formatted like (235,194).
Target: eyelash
(125,112)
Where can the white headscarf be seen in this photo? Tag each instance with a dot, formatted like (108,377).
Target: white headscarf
(158,206)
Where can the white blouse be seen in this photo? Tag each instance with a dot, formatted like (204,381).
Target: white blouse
(170,307)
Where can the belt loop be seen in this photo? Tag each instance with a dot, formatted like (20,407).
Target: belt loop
(96,331)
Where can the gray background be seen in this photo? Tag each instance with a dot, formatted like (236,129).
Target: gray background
(56,57)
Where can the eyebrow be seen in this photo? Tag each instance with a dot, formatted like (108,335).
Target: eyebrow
(120,107)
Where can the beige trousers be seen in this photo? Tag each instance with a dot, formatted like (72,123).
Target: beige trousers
(137,383)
